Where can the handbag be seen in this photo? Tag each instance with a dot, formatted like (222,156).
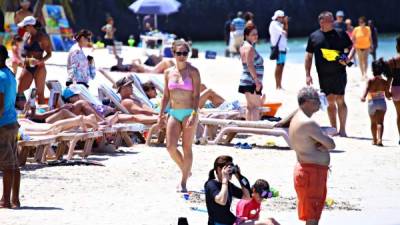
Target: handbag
(275,50)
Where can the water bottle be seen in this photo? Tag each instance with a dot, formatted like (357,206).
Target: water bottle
(323,101)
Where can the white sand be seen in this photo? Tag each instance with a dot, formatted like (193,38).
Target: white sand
(137,186)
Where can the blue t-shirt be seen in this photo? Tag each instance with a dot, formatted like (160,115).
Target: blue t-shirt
(8,87)
(239,24)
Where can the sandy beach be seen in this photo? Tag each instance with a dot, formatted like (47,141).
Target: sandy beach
(138,185)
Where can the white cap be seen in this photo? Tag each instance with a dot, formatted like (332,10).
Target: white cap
(29,20)
(278,13)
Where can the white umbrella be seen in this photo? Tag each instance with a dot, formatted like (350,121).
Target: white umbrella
(156,7)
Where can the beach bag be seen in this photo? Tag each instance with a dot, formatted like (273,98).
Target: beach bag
(275,50)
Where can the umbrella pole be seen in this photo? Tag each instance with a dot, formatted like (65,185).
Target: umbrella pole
(155,21)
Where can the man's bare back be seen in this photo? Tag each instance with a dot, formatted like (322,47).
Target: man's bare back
(307,139)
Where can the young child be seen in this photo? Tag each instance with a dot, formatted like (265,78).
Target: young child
(248,211)
(16,58)
(376,90)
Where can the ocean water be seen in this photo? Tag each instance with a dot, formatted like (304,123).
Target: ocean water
(297,47)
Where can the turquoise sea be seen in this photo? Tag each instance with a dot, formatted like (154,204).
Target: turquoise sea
(297,46)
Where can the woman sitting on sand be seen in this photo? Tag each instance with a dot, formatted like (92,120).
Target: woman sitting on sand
(376,90)
(219,191)
(253,72)
(182,92)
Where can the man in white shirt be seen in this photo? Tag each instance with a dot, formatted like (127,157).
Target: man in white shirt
(278,31)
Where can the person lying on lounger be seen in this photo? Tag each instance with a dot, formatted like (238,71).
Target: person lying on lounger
(129,101)
(76,107)
(158,65)
(33,128)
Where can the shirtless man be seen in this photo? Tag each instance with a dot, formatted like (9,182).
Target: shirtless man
(312,150)
(129,101)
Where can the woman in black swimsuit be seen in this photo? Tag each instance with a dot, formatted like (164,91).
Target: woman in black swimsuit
(36,42)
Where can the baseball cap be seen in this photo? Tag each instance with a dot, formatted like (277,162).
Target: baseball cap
(125,81)
(278,13)
(3,51)
(29,20)
(68,93)
(340,13)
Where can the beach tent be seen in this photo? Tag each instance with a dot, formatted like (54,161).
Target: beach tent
(156,7)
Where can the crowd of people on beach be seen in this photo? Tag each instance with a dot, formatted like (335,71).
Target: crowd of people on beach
(333,46)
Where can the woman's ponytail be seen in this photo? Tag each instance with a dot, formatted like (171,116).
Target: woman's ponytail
(211,175)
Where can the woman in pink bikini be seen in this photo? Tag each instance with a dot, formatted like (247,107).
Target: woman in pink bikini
(182,92)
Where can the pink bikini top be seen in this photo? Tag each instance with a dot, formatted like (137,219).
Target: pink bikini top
(187,83)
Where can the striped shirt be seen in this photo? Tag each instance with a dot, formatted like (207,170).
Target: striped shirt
(246,79)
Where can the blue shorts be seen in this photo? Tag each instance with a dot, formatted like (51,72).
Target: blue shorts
(281,58)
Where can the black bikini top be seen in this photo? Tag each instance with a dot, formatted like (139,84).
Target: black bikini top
(33,47)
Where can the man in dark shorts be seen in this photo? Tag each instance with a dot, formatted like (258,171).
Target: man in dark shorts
(333,51)
(8,135)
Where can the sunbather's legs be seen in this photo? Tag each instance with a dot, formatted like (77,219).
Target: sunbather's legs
(33,128)
(126,118)
(79,121)
(60,115)
(187,141)
(174,129)
(209,94)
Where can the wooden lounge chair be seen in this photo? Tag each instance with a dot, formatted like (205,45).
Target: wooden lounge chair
(68,140)
(40,144)
(85,94)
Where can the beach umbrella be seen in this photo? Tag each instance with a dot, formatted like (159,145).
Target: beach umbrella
(156,7)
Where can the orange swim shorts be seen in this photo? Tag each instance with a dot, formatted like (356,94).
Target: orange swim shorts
(310,184)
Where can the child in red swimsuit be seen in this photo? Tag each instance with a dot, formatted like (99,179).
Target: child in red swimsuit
(248,210)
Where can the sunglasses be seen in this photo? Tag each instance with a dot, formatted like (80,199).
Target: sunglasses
(181,53)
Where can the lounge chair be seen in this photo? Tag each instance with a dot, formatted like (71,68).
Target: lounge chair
(253,127)
(68,140)
(124,128)
(40,144)
(105,90)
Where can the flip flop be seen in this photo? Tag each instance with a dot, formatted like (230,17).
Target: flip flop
(246,146)
(238,145)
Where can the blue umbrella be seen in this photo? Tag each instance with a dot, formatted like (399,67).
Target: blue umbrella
(156,7)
